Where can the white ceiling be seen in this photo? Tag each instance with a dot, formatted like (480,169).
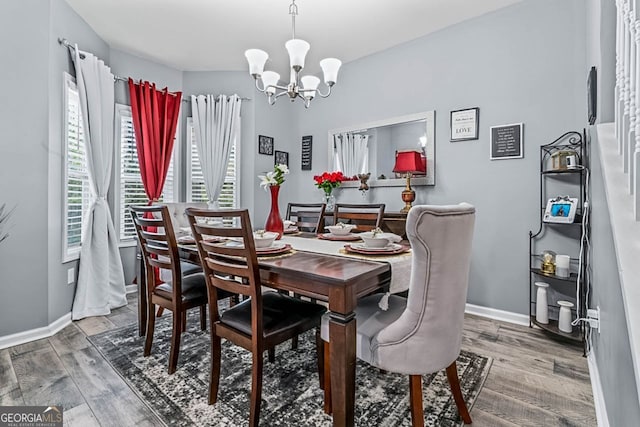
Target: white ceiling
(213,34)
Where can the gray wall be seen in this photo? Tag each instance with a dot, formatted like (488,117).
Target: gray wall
(32,274)
(611,347)
(513,71)
(24,124)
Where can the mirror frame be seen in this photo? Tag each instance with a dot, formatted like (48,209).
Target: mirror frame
(430,149)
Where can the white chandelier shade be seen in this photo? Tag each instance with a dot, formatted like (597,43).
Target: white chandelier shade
(305,87)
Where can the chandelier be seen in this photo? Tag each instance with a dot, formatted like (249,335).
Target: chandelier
(305,87)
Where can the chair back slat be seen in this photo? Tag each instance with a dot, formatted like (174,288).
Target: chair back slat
(153,237)
(160,263)
(308,216)
(219,231)
(365,216)
(153,248)
(230,277)
(157,242)
(231,266)
(148,222)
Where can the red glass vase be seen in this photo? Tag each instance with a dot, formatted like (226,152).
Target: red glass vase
(274,220)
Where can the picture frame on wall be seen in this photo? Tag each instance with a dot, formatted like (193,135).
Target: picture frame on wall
(464,124)
(506,141)
(281,157)
(306,155)
(265,145)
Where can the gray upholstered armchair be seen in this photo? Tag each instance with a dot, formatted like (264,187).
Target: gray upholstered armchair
(422,333)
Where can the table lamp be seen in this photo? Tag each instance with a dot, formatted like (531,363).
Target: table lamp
(409,162)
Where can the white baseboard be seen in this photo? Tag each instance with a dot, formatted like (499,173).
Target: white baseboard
(35,334)
(131,289)
(495,314)
(598,396)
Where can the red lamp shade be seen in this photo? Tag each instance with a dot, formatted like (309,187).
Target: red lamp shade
(410,161)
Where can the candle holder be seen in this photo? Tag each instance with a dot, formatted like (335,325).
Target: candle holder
(548,262)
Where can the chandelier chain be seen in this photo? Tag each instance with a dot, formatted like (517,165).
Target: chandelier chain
(293,11)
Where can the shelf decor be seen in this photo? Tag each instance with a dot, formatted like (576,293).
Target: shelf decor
(568,289)
(464,124)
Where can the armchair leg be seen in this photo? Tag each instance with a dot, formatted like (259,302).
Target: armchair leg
(452,376)
(415,396)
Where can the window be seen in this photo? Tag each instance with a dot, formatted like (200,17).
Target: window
(196,191)
(130,190)
(76,180)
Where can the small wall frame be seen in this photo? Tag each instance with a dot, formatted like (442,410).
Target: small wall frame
(464,124)
(506,142)
(265,145)
(281,157)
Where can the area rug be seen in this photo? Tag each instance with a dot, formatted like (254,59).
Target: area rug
(291,395)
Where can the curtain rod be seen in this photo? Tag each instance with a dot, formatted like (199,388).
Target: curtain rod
(66,43)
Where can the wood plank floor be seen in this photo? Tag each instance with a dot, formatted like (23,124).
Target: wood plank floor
(534,380)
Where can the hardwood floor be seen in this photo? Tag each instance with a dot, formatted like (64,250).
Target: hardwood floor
(534,380)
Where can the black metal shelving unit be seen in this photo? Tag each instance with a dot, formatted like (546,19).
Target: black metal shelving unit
(578,143)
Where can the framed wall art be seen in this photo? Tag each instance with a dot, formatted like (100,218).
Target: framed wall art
(281,157)
(464,124)
(506,142)
(306,152)
(265,145)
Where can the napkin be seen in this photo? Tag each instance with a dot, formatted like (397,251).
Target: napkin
(393,238)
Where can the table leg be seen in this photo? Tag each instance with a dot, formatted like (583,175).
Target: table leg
(342,336)
(141,278)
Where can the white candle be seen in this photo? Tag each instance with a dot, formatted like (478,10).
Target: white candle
(562,265)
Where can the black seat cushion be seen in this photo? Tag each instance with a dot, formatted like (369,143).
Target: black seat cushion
(279,312)
(187,268)
(193,287)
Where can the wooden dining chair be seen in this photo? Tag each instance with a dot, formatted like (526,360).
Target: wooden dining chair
(366,216)
(307,216)
(420,334)
(179,292)
(261,321)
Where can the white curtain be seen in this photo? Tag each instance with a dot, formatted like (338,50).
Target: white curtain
(216,124)
(101,277)
(351,153)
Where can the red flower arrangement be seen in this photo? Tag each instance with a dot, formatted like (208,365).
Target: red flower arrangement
(329,180)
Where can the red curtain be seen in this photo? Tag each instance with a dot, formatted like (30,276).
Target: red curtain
(155,118)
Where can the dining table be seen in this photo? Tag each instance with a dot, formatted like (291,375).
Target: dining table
(325,271)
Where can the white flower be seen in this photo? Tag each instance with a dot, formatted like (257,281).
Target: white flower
(283,168)
(267,180)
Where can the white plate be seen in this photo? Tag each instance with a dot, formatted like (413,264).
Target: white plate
(274,246)
(390,247)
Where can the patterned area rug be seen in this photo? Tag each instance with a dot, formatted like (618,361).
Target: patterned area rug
(291,395)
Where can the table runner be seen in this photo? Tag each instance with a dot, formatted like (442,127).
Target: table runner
(400,263)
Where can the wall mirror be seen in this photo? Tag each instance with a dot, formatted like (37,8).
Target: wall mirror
(371,148)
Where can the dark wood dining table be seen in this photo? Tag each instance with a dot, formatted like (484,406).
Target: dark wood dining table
(338,280)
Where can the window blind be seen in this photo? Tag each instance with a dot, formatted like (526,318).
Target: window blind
(77,189)
(196,191)
(131,190)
